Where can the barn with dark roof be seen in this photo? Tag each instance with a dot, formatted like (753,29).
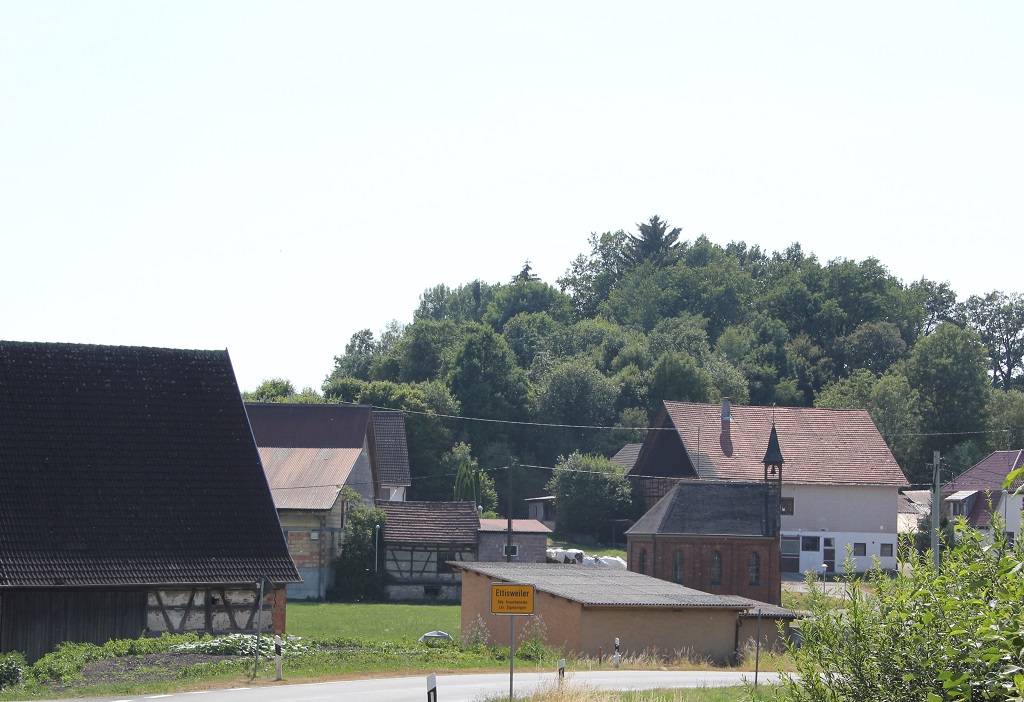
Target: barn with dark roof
(132,499)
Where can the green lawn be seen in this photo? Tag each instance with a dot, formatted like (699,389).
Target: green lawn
(378,622)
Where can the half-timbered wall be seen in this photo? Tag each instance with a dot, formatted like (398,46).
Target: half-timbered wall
(418,571)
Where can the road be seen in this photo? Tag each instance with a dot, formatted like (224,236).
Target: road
(452,688)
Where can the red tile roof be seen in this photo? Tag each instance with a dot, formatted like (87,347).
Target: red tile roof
(519,526)
(430,522)
(824,446)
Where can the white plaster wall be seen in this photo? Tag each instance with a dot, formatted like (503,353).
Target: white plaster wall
(813,560)
(854,508)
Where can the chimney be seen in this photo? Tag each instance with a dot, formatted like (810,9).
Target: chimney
(725,439)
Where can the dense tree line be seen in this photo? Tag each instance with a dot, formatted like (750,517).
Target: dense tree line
(646,317)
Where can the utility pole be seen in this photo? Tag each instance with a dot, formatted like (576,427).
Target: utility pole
(936,496)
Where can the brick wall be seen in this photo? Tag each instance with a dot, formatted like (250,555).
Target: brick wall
(697,554)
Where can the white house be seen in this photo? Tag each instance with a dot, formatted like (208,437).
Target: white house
(840,483)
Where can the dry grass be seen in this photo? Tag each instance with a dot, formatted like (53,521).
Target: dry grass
(572,692)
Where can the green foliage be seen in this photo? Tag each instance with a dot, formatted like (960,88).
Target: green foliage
(588,490)
(357,576)
(948,370)
(12,669)
(281,390)
(676,376)
(956,634)
(471,483)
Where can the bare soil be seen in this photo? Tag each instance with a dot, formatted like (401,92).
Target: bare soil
(148,668)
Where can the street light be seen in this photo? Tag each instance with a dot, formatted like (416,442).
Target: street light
(824,570)
(376,532)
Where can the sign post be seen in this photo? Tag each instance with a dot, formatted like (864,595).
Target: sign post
(512,600)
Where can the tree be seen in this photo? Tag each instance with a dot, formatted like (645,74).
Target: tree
(676,376)
(947,368)
(655,242)
(422,348)
(873,345)
(358,357)
(529,297)
(357,576)
(590,279)
(954,634)
(588,490)
(574,392)
(893,406)
(472,484)
(999,321)
(281,390)
(488,383)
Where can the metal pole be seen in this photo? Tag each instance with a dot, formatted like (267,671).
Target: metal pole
(511,654)
(376,535)
(508,547)
(936,459)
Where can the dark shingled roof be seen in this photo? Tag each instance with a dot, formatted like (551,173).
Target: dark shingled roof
(130,466)
(823,446)
(430,522)
(627,455)
(596,586)
(989,473)
(712,508)
(391,448)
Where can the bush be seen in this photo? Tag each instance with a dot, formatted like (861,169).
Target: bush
(955,634)
(12,669)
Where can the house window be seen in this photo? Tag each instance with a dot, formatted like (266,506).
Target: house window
(754,570)
(810,543)
(643,561)
(716,568)
(787,505)
(1009,538)
(431,590)
(860,549)
(442,561)
(515,550)
(677,567)
(885,550)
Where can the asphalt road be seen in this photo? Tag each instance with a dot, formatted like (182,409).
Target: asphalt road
(452,688)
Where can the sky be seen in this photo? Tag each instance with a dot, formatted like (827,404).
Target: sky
(270,178)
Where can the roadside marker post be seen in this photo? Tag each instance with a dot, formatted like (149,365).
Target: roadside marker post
(277,656)
(617,652)
(561,670)
(432,687)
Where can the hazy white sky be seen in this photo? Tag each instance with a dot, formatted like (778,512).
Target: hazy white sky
(272,177)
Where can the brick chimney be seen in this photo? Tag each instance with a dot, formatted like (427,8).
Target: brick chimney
(726,437)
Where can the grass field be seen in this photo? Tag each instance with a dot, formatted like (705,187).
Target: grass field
(378,622)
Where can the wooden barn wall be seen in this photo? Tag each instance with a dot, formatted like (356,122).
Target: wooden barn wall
(35,621)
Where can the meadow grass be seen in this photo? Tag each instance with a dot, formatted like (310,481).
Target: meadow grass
(377,622)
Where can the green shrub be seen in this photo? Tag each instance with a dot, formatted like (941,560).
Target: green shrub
(12,669)
(955,634)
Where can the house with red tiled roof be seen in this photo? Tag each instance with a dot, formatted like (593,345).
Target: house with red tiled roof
(840,482)
(977,494)
(420,540)
(310,453)
(529,540)
(132,501)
